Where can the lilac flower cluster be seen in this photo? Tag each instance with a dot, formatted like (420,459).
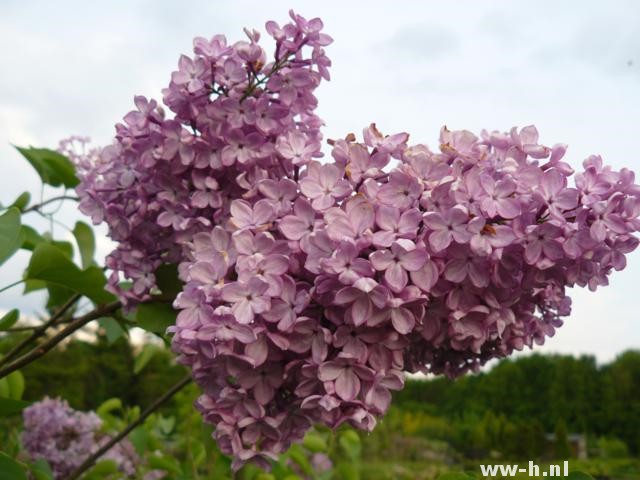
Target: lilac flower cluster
(236,117)
(65,437)
(308,307)
(309,288)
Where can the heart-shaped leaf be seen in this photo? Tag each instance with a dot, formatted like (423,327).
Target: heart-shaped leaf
(22,201)
(11,469)
(155,317)
(53,168)
(49,264)
(147,353)
(10,233)
(9,319)
(11,406)
(86,243)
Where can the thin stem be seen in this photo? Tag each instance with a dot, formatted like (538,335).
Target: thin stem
(252,86)
(37,206)
(43,348)
(11,285)
(143,416)
(52,221)
(39,331)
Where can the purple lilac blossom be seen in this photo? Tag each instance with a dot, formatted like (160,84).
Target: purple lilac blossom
(309,288)
(65,437)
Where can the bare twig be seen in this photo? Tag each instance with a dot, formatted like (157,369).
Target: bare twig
(143,416)
(37,206)
(74,325)
(11,285)
(40,330)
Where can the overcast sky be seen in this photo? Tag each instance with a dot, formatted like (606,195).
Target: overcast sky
(570,68)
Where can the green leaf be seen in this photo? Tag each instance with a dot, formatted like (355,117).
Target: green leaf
(101,469)
(454,476)
(10,406)
(314,442)
(86,243)
(166,424)
(30,238)
(50,264)
(58,296)
(15,381)
(167,280)
(64,246)
(155,317)
(347,471)
(148,351)
(168,464)
(41,470)
(22,201)
(297,455)
(350,443)
(10,233)
(140,439)
(109,406)
(198,453)
(9,319)
(576,475)
(112,329)
(54,168)
(10,469)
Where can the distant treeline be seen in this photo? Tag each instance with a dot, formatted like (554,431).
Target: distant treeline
(540,392)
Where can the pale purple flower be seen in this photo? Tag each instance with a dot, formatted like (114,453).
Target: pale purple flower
(499,199)
(487,237)
(247,299)
(345,263)
(301,223)
(354,221)
(246,216)
(464,263)
(403,257)
(323,185)
(446,227)
(262,381)
(554,192)
(395,224)
(241,148)
(401,191)
(607,217)
(190,73)
(345,376)
(361,299)
(378,394)
(360,164)
(297,148)
(543,244)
